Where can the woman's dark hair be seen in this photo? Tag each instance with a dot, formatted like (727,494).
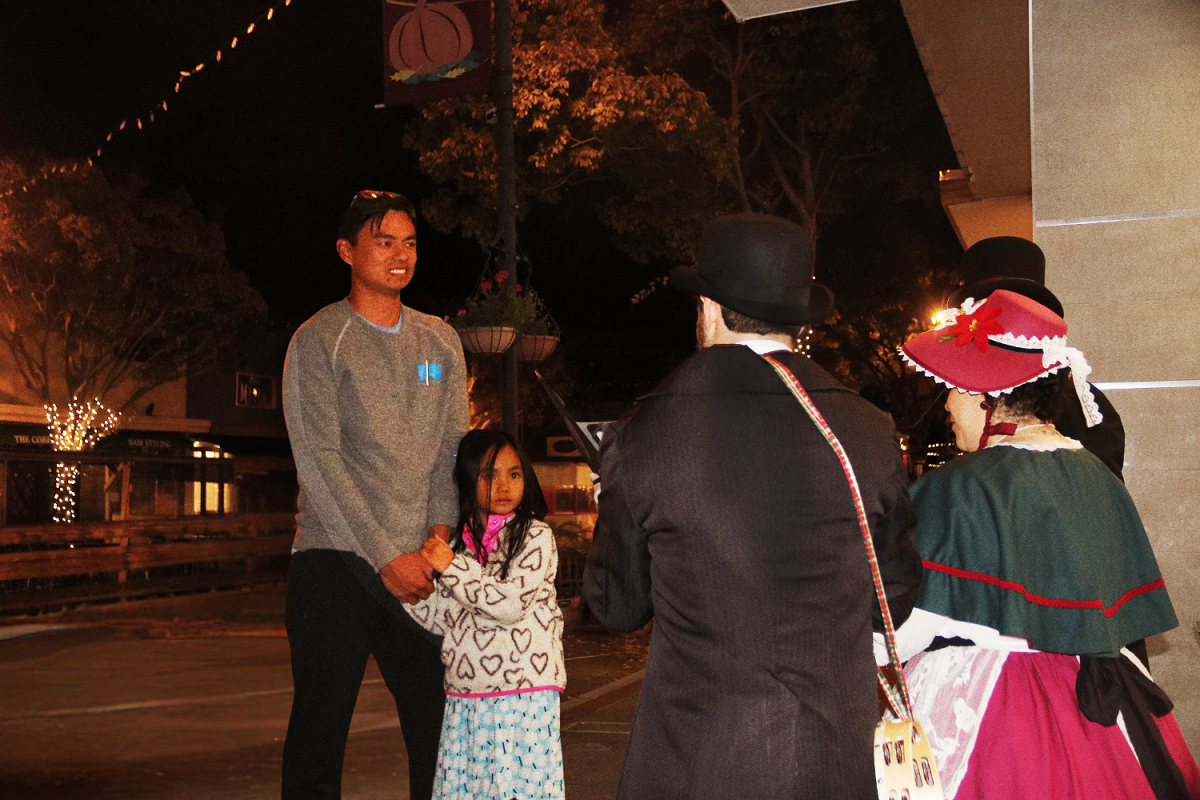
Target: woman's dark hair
(476,452)
(1038,399)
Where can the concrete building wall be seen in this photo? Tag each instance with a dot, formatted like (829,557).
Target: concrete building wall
(983,219)
(1115,96)
(976,59)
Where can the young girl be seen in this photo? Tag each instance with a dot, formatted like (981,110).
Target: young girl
(496,608)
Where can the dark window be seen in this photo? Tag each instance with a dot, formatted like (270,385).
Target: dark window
(30,493)
(255,391)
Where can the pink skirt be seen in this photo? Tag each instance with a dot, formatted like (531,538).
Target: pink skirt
(1008,725)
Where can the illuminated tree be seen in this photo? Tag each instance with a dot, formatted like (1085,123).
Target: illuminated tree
(75,430)
(671,113)
(109,293)
(677,113)
(580,108)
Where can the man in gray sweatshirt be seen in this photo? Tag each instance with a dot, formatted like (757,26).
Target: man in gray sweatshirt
(375,397)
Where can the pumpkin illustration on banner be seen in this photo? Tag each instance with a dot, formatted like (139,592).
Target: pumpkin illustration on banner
(431,36)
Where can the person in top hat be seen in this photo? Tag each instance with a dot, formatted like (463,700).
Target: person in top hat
(1018,265)
(1005,262)
(1037,573)
(726,516)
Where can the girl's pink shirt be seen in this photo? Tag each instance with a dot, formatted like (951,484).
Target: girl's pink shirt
(491,533)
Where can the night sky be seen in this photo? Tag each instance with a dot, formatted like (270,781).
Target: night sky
(275,139)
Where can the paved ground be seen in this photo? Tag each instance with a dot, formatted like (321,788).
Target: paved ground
(188,698)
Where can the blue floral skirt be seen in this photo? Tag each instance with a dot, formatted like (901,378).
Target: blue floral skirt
(500,748)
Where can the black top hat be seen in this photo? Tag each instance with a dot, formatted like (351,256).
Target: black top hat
(1003,257)
(760,266)
(1005,262)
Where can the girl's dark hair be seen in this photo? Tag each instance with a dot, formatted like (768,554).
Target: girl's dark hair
(476,452)
(1038,399)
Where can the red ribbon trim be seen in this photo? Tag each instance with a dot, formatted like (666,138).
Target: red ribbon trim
(1045,601)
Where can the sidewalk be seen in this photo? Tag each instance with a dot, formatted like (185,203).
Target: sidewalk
(188,697)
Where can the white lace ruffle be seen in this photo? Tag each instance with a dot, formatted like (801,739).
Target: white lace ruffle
(996,393)
(950,690)
(1068,444)
(1080,370)
(1029,343)
(1054,358)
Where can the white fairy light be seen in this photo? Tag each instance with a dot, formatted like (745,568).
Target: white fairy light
(803,342)
(76,430)
(183,74)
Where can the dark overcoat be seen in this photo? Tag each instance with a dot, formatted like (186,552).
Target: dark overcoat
(726,516)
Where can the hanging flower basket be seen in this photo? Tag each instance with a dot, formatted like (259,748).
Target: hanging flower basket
(535,347)
(488,339)
(498,310)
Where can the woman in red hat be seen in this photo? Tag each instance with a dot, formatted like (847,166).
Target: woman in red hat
(1037,573)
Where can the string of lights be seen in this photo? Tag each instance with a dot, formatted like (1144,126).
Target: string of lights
(78,429)
(147,116)
(803,344)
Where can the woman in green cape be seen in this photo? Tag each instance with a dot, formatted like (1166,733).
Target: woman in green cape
(1038,572)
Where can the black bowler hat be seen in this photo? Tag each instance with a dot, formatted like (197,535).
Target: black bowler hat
(1005,262)
(760,266)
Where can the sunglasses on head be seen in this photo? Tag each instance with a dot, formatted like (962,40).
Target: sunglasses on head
(373,194)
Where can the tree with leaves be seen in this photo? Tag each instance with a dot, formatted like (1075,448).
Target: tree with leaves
(682,113)
(577,101)
(109,293)
(673,113)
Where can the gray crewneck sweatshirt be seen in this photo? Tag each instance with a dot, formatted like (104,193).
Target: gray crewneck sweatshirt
(374,418)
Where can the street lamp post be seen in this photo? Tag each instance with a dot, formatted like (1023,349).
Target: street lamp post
(506,193)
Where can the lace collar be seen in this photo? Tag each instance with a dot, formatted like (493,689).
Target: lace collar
(1040,438)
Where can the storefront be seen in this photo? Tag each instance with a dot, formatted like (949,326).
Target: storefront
(141,475)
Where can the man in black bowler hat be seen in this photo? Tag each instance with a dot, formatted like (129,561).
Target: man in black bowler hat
(726,516)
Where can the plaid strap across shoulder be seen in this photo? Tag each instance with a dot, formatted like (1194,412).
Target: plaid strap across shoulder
(897,695)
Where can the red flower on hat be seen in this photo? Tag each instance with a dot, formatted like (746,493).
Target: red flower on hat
(975,327)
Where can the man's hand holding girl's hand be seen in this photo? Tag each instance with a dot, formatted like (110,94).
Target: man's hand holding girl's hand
(408,577)
(437,553)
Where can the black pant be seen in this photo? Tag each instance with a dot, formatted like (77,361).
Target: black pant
(335,618)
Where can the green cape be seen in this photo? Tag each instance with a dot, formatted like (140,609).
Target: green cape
(1046,546)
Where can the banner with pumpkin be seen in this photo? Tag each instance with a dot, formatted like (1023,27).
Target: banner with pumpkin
(436,49)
